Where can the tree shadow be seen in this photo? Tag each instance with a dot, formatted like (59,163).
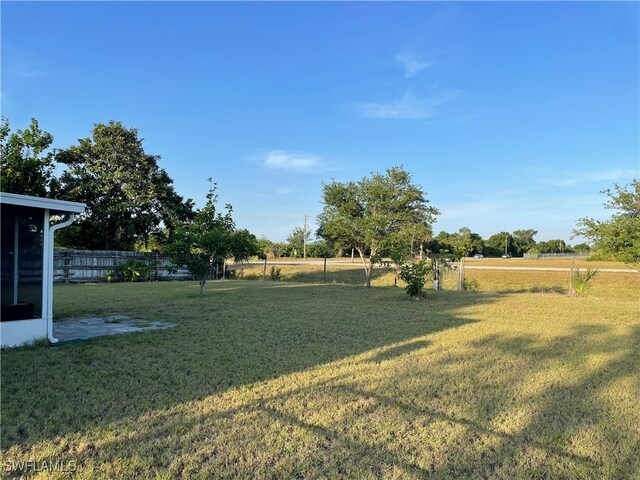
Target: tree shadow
(569,411)
(398,350)
(549,289)
(352,275)
(225,339)
(487,410)
(373,437)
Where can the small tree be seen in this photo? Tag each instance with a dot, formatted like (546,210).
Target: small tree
(375,215)
(415,275)
(211,237)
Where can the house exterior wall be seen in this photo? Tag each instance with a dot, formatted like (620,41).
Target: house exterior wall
(19,332)
(26,267)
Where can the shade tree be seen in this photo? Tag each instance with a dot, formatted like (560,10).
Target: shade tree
(376,215)
(128,196)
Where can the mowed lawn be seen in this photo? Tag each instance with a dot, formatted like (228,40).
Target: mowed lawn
(301,380)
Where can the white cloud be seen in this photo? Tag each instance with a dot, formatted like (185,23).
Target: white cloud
(4,99)
(407,107)
(286,191)
(412,62)
(598,176)
(20,64)
(291,161)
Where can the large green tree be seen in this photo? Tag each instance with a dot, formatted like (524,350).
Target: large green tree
(27,163)
(128,196)
(619,237)
(464,242)
(523,240)
(209,240)
(555,245)
(378,215)
(498,244)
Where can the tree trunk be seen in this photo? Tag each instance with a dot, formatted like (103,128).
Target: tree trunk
(224,269)
(324,272)
(367,268)
(264,271)
(202,282)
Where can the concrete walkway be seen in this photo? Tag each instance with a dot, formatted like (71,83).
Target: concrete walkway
(88,327)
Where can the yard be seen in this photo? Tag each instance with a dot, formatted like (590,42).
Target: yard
(305,380)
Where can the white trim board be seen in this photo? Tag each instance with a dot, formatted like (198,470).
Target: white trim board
(45,203)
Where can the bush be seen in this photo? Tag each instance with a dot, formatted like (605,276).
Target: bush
(581,281)
(134,270)
(471,285)
(275,274)
(415,276)
(233,274)
(130,271)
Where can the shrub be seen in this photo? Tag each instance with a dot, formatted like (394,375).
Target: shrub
(581,280)
(415,276)
(130,271)
(111,276)
(134,270)
(233,274)
(471,285)
(275,274)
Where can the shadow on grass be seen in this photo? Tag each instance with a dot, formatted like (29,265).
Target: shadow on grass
(575,414)
(396,351)
(344,275)
(422,422)
(238,333)
(570,430)
(553,289)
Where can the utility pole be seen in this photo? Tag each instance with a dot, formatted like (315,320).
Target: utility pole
(304,238)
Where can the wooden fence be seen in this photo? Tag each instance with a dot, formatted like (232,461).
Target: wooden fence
(84,266)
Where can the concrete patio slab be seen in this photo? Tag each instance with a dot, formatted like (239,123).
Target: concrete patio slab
(89,327)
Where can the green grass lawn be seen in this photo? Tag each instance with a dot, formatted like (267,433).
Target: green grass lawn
(301,380)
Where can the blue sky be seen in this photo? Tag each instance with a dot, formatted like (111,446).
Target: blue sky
(510,115)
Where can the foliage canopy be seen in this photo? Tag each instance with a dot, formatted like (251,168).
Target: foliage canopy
(26,167)
(209,239)
(379,215)
(128,196)
(618,237)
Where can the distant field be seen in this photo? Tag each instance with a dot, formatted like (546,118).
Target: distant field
(488,280)
(547,262)
(485,262)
